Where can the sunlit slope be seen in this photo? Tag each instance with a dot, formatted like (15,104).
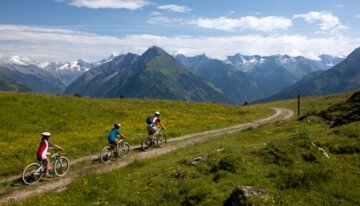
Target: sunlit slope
(81,125)
(279,158)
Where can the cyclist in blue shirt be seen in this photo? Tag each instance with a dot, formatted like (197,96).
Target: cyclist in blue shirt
(115,133)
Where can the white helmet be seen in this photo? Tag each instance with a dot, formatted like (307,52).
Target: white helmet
(157,113)
(46,134)
(117,125)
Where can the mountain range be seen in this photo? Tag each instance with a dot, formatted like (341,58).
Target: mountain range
(41,77)
(156,74)
(276,72)
(343,77)
(235,84)
(248,78)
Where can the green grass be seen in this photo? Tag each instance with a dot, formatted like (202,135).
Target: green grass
(278,158)
(81,125)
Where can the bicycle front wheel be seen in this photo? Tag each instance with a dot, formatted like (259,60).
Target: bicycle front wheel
(32,173)
(106,154)
(161,140)
(124,149)
(61,166)
(146,143)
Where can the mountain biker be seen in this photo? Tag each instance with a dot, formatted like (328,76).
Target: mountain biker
(114,133)
(152,123)
(42,153)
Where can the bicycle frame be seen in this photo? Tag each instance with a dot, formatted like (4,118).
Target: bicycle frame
(156,134)
(119,144)
(53,158)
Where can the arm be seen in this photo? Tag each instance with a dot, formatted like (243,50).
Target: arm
(162,126)
(54,146)
(123,136)
(58,147)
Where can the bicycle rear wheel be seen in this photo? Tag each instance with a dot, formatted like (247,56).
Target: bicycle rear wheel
(124,149)
(106,154)
(32,173)
(161,140)
(146,143)
(61,166)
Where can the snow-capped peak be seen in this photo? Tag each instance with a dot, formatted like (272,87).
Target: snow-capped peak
(75,66)
(284,59)
(79,65)
(22,60)
(106,60)
(43,65)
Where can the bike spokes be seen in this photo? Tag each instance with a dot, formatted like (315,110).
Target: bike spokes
(61,166)
(106,154)
(161,140)
(124,149)
(146,143)
(32,173)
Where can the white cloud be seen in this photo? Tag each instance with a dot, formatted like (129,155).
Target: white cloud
(340,6)
(357,16)
(175,8)
(155,13)
(269,23)
(256,13)
(102,4)
(163,20)
(46,44)
(326,21)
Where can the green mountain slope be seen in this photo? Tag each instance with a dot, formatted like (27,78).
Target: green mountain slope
(291,163)
(154,74)
(7,84)
(32,77)
(343,77)
(81,125)
(236,84)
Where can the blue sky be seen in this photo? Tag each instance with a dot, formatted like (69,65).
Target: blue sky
(63,30)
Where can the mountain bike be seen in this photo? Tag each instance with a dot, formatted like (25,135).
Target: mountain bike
(109,151)
(34,171)
(159,140)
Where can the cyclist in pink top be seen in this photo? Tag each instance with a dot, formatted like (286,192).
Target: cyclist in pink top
(43,153)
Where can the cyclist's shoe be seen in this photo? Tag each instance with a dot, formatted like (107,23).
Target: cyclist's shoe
(48,176)
(152,140)
(116,154)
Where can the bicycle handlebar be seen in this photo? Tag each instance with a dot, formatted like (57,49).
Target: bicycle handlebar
(56,149)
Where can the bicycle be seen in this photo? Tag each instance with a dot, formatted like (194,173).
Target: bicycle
(148,142)
(109,152)
(34,171)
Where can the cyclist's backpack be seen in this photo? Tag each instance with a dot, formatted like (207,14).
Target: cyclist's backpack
(149,120)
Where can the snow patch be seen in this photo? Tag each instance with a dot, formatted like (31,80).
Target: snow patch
(22,60)
(43,65)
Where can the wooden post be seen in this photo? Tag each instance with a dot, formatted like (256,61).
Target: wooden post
(298,98)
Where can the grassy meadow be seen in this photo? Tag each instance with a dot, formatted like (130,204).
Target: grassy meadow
(279,158)
(81,125)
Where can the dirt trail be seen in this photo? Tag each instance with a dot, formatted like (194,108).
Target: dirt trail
(175,143)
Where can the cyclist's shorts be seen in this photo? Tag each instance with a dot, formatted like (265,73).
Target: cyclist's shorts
(113,143)
(152,129)
(42,161)
(41,158)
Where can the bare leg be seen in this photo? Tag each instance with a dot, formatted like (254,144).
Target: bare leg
(47,167)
